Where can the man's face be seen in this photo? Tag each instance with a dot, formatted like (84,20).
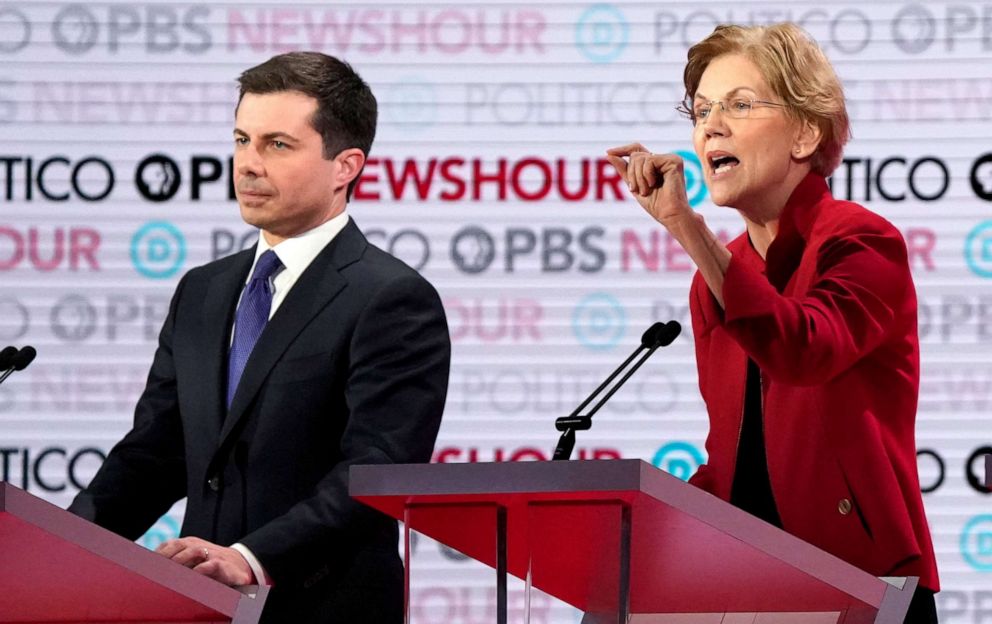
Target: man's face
(284,184)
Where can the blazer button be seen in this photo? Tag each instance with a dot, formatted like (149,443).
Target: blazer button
(844,506)
(214,484)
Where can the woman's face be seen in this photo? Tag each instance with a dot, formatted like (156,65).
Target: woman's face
(747,163)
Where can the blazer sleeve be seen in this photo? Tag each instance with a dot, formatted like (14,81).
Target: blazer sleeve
(145,473)
(862,286)
(395,393)
(702,308)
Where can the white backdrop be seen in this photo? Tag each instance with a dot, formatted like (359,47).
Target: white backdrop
(488,176)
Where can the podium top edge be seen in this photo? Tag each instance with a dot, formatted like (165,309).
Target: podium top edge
(500,477)
(103,544)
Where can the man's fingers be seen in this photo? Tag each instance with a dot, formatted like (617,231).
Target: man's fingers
(223,571)
(211,568)
(171,547)
(190,557)
(185,551)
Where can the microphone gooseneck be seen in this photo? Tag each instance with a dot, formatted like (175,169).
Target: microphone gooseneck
(656,336)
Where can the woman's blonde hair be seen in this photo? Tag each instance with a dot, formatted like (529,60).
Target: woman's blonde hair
(795,68)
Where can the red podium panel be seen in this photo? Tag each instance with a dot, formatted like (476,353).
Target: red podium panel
(60,568)
(689,552)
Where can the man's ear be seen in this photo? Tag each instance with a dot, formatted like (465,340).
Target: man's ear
(806,141)
(350,163)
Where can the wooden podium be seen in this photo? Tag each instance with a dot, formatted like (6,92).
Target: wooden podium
(60,568)
(627,543)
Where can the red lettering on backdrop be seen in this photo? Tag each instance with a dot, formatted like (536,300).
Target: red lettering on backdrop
(920,244)
(57,253)
(516,320)
(317,31)
(83,244)
(238,27)
(607,178)
(545,179)
(399,183)
(662,252)
(454,454)
(368,176)
(529,179)
(583,178)
(450,31)
(17,243)
(479,178)
(80,246)
(450,176)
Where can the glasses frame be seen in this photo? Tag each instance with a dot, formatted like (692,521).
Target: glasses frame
(688,112)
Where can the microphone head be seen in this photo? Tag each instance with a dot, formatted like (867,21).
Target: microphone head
(24,357)
(668,333)
(650,336)
(6,356)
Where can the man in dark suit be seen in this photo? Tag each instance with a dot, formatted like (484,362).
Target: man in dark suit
(281,366)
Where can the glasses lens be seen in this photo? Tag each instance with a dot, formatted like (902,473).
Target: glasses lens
(738,108)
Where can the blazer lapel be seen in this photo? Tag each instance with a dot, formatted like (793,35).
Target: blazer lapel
(317,287)
(218,318)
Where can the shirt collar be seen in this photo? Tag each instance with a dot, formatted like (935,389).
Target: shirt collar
(298,252)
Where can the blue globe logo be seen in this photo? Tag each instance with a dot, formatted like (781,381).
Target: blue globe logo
(695,187)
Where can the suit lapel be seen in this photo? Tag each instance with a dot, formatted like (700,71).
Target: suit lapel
(218,318)
(320,283)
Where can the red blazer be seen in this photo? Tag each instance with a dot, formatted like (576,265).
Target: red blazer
(831,321)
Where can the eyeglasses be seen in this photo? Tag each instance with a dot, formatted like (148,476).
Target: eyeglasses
(736,108)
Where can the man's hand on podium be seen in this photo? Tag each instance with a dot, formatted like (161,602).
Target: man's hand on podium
(222,564)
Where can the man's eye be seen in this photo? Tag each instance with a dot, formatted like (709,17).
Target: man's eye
(241,140)
(279,145)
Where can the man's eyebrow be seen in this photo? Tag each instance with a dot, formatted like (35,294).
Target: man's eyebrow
(270,135)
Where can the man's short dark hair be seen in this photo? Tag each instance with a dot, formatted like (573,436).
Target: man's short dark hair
(346,109)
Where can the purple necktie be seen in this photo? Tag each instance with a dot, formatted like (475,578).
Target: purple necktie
(250,320)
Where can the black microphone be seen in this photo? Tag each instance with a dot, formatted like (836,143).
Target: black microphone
(6,356)
(658,335)
(19,361)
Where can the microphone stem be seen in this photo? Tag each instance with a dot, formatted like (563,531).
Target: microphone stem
(6,374)
(565,445)
(612,376)
(633,369)
(567,440)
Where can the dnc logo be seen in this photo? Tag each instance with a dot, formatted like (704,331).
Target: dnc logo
(679,459)
(695,188)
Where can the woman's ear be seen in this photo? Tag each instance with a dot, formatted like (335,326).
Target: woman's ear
(806,141)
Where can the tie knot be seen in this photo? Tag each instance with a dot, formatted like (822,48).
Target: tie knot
(268,263)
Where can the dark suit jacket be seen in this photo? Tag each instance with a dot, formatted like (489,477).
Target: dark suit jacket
(351,369)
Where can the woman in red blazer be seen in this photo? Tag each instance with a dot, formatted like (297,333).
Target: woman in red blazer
(806,325)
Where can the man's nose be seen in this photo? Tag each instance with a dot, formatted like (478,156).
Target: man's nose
(248,161)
